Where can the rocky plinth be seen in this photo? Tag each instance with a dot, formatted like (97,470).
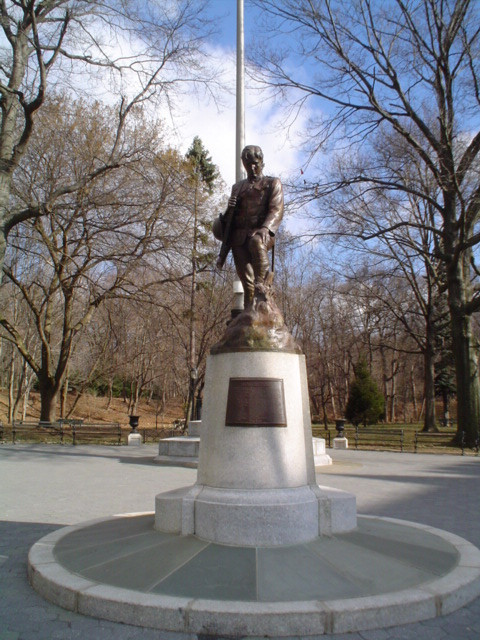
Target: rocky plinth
(260,327)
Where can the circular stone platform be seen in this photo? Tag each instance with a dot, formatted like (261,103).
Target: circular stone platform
(386,572)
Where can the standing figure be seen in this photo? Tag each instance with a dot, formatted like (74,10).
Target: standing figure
(249,225)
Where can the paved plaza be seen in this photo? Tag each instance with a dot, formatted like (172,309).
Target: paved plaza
(45,487)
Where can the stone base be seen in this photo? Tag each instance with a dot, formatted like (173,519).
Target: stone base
(256,482)
(182,450)
(256,518)
(320,456)
(386,573)
(134,439)
(194,428)
(340,443)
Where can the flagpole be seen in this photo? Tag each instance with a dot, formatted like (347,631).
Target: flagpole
(239,131)
(240,94)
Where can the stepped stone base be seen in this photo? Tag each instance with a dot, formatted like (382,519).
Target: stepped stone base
(182,451)
(256,518)
(256,483)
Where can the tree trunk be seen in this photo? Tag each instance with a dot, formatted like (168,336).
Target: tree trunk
(21,387)
(75,402)
(48,401)
(393,395)
(468,387)
(11,389)
(331,393)
(110,393)
(26,397)
(63,398)
(3,247)
(189,413)
(414,394)
(446,407)
(465,353)
(429,424)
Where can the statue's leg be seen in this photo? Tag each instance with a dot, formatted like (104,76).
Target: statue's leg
(241,257)
(259,252)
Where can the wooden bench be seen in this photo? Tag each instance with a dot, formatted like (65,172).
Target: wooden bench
(88,431)
(438,439)
(372,436)
(37,429)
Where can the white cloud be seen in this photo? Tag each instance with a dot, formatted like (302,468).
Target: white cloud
(215,125)
(211,118)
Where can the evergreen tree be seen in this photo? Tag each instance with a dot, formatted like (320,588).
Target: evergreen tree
(365,401)
(203,166)
(204,177)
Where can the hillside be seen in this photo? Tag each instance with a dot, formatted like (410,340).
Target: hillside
(94,409)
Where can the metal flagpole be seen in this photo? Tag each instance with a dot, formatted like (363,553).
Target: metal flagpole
(240,93)
(240,128)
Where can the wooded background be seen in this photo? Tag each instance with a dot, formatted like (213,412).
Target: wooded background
(108,280)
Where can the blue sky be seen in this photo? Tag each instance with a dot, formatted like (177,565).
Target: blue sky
(225,12)
(215,123)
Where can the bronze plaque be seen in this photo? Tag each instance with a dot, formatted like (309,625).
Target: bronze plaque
(256,402)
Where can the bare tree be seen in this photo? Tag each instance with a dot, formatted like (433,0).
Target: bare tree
(408,67)
(118,237)
(152,47)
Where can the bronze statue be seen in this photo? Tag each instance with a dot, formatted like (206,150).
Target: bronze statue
(249,225)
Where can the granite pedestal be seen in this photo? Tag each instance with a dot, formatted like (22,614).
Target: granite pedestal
(256,482)
(320,455)
(181,451)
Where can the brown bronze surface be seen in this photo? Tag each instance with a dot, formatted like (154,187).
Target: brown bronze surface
(256,402)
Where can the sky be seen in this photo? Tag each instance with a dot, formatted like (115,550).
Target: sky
(215,123)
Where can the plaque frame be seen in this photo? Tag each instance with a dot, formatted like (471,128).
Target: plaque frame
(256,402)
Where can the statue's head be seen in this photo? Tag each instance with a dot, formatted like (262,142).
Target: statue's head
(252,158)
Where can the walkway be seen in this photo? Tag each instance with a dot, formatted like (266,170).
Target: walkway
(47,486)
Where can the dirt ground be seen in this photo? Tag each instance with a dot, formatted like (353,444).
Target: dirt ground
(95,409)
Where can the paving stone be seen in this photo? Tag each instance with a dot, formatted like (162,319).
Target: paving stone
(51,486)
(9,635)
(374,634)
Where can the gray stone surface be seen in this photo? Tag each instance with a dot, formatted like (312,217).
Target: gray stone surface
(256,457)
(256,484)
(131,563)
(268,517)
(320,455)
(250,518)
(183,451)
(195,428)
(47,486)
(134,439)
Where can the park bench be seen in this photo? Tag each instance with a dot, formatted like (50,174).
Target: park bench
(372,436)
(438,439)
(37,430)
(94,431)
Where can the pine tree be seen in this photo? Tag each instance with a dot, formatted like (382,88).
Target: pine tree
(203,166)
(365,402)
(204,176)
